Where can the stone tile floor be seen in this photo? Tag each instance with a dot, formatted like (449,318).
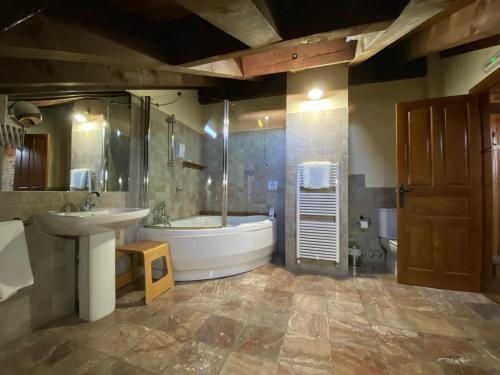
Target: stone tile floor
(271,321)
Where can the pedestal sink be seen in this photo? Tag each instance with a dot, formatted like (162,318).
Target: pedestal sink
(96,243)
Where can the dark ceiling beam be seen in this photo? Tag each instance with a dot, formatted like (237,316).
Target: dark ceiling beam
(113,23)
(298,58)
(296,18)
(476,21)
(233,90)
(48,38)
(414,15)
(292,43)
(248,21)
(473,46)
(24,73)
(192,38)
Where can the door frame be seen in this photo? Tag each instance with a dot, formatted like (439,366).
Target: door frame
(489,229)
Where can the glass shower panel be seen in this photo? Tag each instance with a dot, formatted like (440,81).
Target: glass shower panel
(186,164)
(212,176)
(257,158)
(116,148)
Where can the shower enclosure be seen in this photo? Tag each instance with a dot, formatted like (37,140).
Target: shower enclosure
(209,198)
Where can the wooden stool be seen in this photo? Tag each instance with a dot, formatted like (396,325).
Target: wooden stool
(150,250)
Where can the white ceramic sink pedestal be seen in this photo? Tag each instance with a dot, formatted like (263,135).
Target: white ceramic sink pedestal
(96,244)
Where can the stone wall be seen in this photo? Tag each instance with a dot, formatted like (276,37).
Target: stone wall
(87,141)
(317,130)
(171,182)
(316,136)
(7,168)
(255,158)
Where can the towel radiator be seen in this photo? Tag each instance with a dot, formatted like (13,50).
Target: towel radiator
(318,219)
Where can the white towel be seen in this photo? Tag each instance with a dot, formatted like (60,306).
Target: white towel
(80,179)
(15,268)
(316,175)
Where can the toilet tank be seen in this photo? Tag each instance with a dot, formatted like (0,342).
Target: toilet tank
(387,225)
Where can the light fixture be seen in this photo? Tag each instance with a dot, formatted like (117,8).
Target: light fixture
(260,123)
(25,114)
(118,132)
(80,117)
(315,93)
(211,132)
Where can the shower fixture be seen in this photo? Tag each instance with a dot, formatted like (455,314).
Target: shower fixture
(171,136)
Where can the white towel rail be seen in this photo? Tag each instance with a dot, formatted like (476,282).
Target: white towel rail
(318,218)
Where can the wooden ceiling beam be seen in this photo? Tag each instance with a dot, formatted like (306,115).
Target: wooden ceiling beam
(299,57)
(477,21)
(292,43)
(249,21)
(25,73)
(416,14)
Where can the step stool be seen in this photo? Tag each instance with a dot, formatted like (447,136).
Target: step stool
(150,250)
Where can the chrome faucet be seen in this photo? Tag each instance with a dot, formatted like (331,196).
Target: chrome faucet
(161,214)
(87,204)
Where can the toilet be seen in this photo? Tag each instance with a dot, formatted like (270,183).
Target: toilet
(388,236)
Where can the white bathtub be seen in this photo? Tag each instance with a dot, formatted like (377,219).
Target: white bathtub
(201,249)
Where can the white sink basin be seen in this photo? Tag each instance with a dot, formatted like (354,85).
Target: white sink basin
(96,252)
(88,222)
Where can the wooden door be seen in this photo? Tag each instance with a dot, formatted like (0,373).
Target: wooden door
(440,194)
(31,163)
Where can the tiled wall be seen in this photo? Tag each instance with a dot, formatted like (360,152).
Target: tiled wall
(316,136)
(366,202)
(255,158)
(7,168)
(171,182)
(87,149)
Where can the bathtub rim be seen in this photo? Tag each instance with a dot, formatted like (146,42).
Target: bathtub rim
(266,222)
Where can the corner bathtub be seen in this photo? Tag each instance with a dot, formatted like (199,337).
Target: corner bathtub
(201,249)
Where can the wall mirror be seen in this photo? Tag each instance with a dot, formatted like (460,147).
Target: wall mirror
(82,143)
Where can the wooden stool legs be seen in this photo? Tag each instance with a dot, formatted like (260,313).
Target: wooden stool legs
(129,276)
(155,288)
(151,251)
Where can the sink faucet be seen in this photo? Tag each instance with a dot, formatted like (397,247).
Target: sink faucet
(161,214)
(87,204)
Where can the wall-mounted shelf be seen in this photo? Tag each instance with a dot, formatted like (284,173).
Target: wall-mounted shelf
(193,164)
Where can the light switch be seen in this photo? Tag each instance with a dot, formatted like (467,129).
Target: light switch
(272,185)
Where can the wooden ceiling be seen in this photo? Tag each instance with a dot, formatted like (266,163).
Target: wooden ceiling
(200,43)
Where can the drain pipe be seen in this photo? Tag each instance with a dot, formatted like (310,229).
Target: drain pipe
(225,136)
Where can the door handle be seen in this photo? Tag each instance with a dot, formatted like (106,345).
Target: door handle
(402,194)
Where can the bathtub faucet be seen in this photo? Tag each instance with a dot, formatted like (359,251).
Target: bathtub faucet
(161,214)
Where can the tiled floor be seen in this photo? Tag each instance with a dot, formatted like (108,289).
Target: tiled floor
(271,321)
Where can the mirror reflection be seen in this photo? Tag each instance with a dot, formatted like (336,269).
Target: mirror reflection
(81,144)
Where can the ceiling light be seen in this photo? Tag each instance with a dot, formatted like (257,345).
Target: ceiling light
(80,117)
(315,93)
